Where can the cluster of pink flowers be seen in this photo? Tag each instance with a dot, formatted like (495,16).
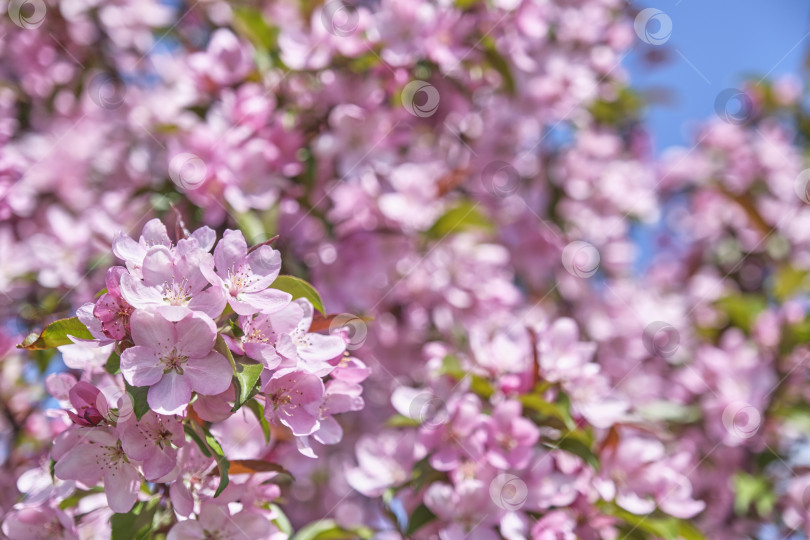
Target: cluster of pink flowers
(571,338)
(182,340)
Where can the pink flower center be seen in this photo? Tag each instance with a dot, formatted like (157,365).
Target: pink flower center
(256,336)
(237,279)
(176,294)
(111,457)
(174,362)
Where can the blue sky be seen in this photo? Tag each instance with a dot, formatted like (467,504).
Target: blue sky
(713,44)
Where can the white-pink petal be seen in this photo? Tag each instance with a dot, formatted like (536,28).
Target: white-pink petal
(170,395)
(209,375)
(141,366)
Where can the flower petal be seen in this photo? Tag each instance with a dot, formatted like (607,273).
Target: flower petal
(265,263)
(137,294)
(170,395)
(267,300)
(210,301)
(209,375)
(80,463)
(141,366)
(196,335)
(319,347)
(157,266)
(152,330)
(121,483)
(154,233)
(189,529)
(127,249)
(230,251)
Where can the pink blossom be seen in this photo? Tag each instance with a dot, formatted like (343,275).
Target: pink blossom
(455,435)
(309,350)
(174,358)
(97,455)
(38,523)
(215,521)
(90,404)
(556,525)
(111,308)
(173,284)
(294,398)
(152,441)
(510,437)
(154,234)
(245,277)
(226,60)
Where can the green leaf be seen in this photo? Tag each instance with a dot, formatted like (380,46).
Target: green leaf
(222,348)
(56,334)
(194,436)
(536,403)
(687,531)
(73,500)
(328,529)
(742,310)
(398,421)
(421,516)
(237,332)
(499,63)
(299,288)
(423,474)
(250,23)
(245,377)
(479,385)
(136,524)
(666,527)
(138,396)
(113,364)
(575,446)
(789,281)
(252,227)
(669,411)
(258,410)
(281,521)
(222,462)
(464,216)
(752,490)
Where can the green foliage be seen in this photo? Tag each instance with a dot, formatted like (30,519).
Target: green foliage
(421,516)
(665,527)
(250,23)
(756,491)
(626,107)
(281,521)
(789,281)
(194,436)
(499,64)
(113,364)
(328,529)
(222,462)
(258,410)
(547,412)
(138,396)
(56,334)
(246,380)
(210,447)
(742,310)
(465,216)
(136,524)
(299,288)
